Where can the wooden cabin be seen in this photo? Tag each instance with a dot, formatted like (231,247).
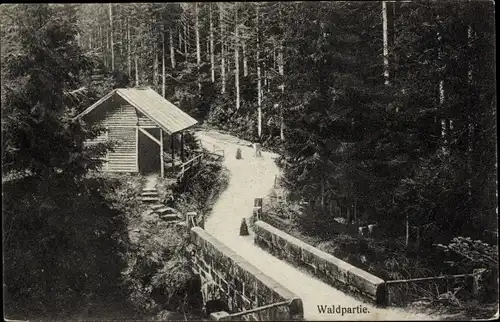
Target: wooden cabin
(146,127)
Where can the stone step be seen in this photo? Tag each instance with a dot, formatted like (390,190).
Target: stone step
(149,193)
(150,199)
(169,217)
(121,169)
(166,211)
(157,206)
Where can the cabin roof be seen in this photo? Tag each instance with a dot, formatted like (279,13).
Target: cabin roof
(165,114)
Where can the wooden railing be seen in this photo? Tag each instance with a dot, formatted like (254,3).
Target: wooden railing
(215,151)
(257,309)
(447,280)
(184,167)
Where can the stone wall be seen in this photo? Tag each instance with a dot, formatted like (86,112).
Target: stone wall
(238,282)
(327,267)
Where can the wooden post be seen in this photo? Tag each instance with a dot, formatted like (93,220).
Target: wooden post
(182,146)
(387,296)
(136,147)
(161,154)
(173,156)
(407,241)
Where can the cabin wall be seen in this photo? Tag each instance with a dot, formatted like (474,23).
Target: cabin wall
(124,156)
(120,120)
(145,121)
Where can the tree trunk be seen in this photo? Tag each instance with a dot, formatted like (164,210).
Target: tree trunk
(245,63)
(186,41)
(212,56)
(274,55)
(180,40)
(163,82)
(197,34)
(207,53)
(136,69)
(355,215)
(119,27)
(172,52)
(106,50)
(155,67)
(136,61)
(129,54)
(198,50)
(236,61)
(99,38)
(470,124)
(444,121)
(386,43)
(266,80)
(322,194)
(111,36)
(259,81)
(407,239)
(282,86)
(222,55)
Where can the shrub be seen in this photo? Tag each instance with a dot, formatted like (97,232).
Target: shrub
(61,256)
(238,154)
(201,188)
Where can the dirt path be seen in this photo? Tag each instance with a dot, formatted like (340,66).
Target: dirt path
(151,181)
(254,177)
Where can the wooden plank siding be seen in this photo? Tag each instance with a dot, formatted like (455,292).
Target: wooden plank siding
(121,122)
(121,116)
(145,121)
(124,158)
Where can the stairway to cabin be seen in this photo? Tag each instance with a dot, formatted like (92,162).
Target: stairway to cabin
(150,197)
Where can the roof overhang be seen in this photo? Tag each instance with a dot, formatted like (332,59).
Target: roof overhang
(188,124)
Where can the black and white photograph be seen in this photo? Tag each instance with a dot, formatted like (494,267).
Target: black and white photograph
(249,161)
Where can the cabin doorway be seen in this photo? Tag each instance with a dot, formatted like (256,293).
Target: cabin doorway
(149,152)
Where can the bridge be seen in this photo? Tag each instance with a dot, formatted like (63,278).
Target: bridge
(234,289)
(258,277)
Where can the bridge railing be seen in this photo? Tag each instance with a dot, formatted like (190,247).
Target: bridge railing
(241,315)
(195,220)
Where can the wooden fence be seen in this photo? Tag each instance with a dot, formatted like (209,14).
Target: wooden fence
(434,285)
(215,151)
(186,166)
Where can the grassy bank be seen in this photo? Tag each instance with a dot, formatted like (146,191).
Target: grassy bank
(200,190)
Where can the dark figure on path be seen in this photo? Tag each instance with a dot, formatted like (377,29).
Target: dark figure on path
(244,228)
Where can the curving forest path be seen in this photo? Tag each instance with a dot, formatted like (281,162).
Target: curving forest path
(252,177)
